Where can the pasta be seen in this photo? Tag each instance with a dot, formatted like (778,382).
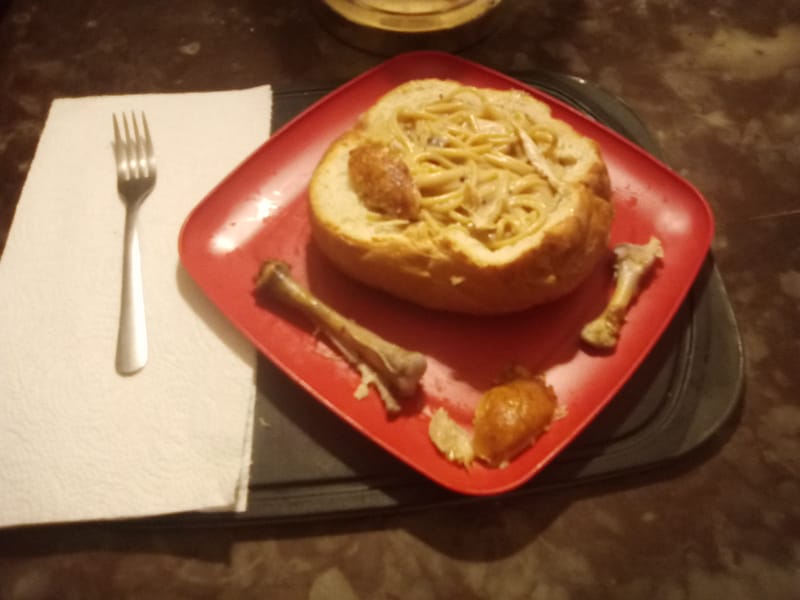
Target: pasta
(478,166)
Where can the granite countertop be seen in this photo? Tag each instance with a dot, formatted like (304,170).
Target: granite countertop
(717,85)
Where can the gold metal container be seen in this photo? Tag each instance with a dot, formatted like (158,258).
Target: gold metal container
(390,26)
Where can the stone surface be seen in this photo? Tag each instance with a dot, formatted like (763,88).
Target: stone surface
(716,82)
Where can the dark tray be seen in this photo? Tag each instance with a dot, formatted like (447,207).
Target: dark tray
(309,464)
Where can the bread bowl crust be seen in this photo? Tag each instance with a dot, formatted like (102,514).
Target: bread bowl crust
(452,271)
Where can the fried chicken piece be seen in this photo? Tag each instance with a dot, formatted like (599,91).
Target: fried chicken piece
(510,416)
(383,181)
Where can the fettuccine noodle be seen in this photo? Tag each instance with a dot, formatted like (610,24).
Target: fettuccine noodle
(479,166)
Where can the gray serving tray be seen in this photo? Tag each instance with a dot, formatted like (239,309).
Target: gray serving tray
(308,464)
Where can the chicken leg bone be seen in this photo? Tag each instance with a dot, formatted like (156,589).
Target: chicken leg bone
(399,369)
(632,264)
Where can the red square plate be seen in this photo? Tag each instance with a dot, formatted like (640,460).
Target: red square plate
(260,211)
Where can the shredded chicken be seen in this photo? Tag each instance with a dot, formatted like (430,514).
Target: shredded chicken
(537,159)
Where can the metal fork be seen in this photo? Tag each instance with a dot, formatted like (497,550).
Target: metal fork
(136,177)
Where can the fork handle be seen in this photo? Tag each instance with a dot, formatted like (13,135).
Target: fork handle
(132,334)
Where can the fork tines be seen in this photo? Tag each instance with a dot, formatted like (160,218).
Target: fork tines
(134,153)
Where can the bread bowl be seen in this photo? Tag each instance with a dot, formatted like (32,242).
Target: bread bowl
(462,199)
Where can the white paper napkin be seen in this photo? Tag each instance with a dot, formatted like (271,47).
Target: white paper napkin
(77,440)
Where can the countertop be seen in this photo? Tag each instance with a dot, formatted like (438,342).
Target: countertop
(717,85)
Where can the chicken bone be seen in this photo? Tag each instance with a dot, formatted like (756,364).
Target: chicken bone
(396,369)
(633,262)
